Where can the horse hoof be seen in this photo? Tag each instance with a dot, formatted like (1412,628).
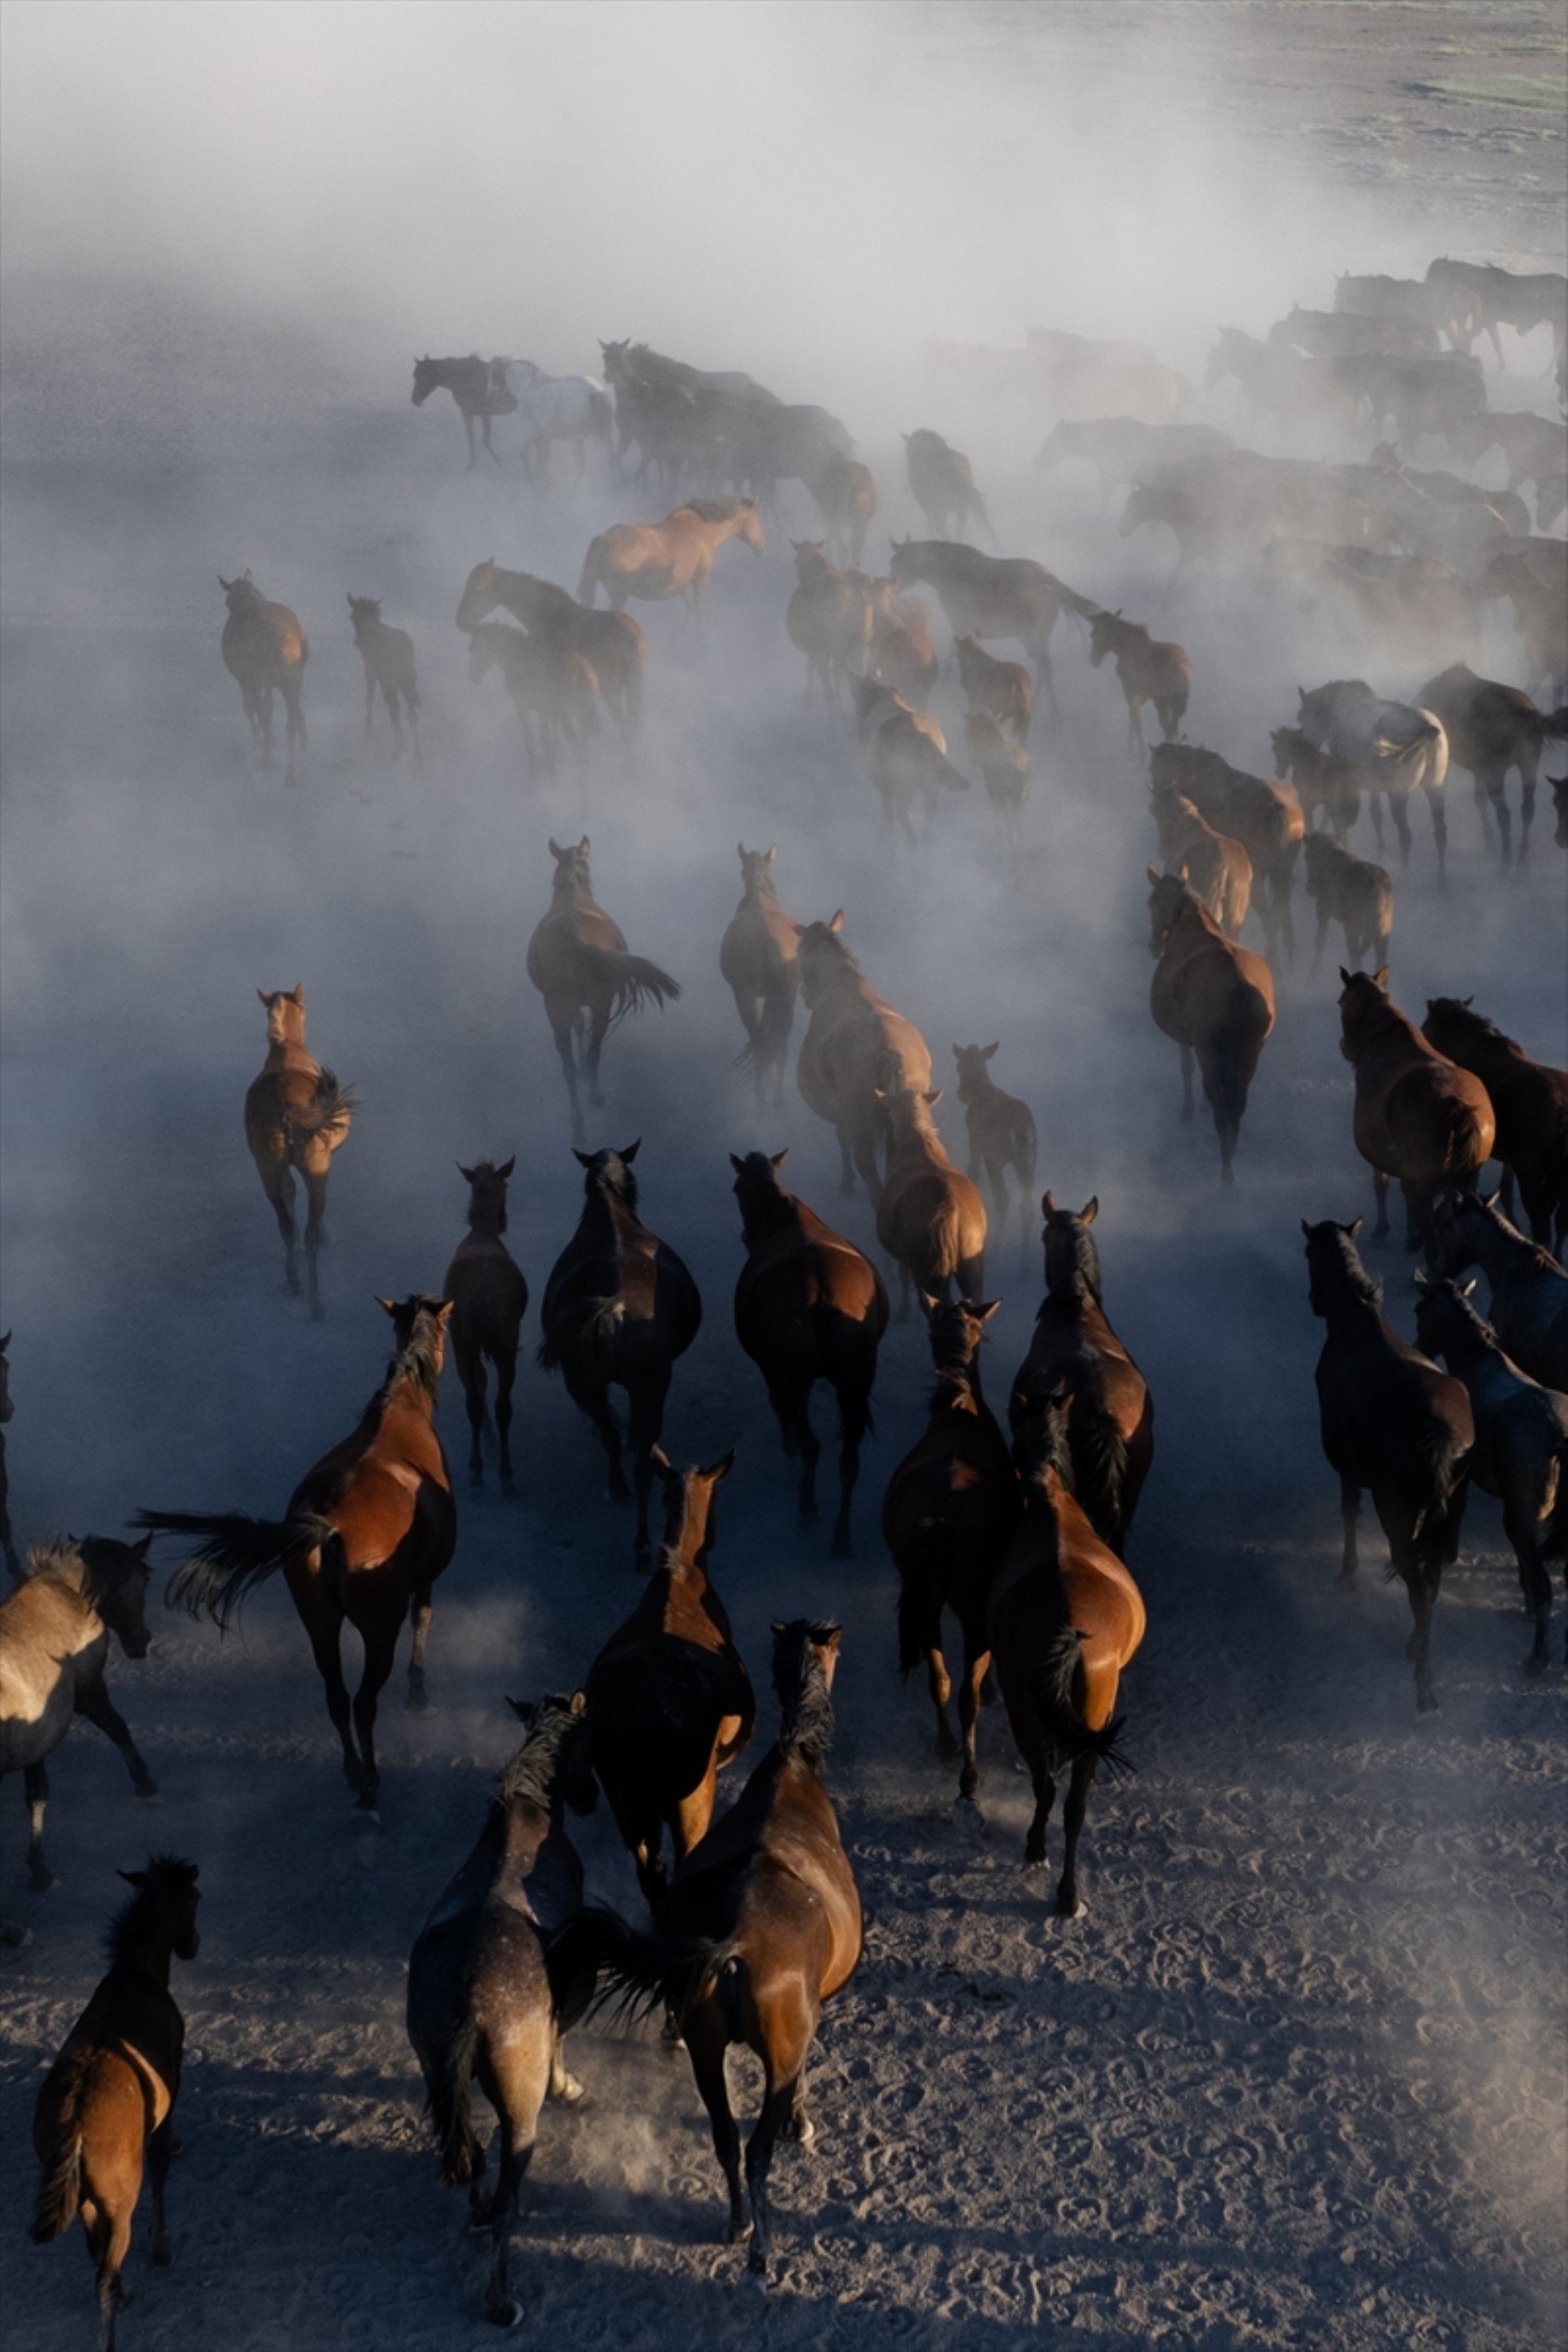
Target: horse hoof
(13,1938)
(800,2129)
(507,2314)
(1074,1908)
(41,1882)
(968,1818)
(150,1795)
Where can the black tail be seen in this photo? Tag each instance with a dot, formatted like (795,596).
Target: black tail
(1233,1057)
(331,1105)
(634,982)
(59,2193)
(1099,1465)
(462,2158)
(770,1041)
(635,1973)
(236,1554)
(921,1591)
(1068,1736)
(586,1338)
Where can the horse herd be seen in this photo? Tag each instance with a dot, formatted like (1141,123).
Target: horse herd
(1010,1526)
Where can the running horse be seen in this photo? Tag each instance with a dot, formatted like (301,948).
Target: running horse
(612,644)
(366,1533)
(579,963)
(1419,1116)
(1148,670)
(991,596)
(1215,999)
(854,1047)
(264,651)
(479,386)
(297,1116)
(653,561)
(1530,1099)
(489,1299)
(758,958)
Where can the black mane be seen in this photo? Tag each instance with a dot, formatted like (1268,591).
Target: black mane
(125,1934)
(531,1776)
(805,1728)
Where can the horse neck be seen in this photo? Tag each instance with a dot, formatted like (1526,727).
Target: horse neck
(1079,1279)
(574,891)
(487,1220)
(770,1213)
(141,1946)
(405,1391)
(606,1217)
(759,894)
(1348,1313)
(526,1822)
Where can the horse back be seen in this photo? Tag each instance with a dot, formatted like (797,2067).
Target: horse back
(1389,1416)
(52,1644)
(488,1292)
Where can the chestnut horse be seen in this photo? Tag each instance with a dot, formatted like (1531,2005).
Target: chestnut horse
(1265,816)
(854,1043)
(489,1299)
(1530,1099)
(1215,868)
(265,651)
(619,1308)
(297,1116)
(1148,670)
(1417,1117)
(578,962)
(652,561)
(846,499)
(950,1506)
(758,957)
(1064,1622)
(612,644)
(1002,688)
(366,1533)
(1215,999)
(670,1701)
(930,1217)
(808,1307)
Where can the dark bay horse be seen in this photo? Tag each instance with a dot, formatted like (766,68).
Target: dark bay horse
(619,1308)
(950,1506)
(479,387)
(1148,670)
(808,1307)
(1530,1100)
(1215,999)
(991,596)
(1392,1423)
(495,1977)
(297,1116)
(489,1299)
(670,1701)
(107,2104)
(1419,1117)
(1529,1289)
(366,1533)
(758,957)
(387,654)
(855,1044)
(264,651)
(612,644)
(579,963)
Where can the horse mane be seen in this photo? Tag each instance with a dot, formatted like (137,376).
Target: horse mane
(1479,1328)
(1367,1288)
(64,1561)
(1085,1258)
(622,1187)
(415,1360)
(824,937)
(530,1775)
(163,1875)
(805,1727)
(716,510)
(1459,1010)
(1043,1444)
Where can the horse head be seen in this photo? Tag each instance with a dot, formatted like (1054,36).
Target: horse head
(285,1014)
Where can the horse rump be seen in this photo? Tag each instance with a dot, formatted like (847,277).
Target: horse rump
(330,1106)
(584,1339)
(1068,1736)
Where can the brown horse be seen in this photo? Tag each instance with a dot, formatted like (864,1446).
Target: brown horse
(830,619)
(1352,892)
(553,691)
(612,644)
(990,596)
(265,651)
(903,655)
(1419,1116)
(387,654)
(808,1307)
(847,499)
(296,1116)
(578,962)
(1392,1423)
(941,483)
(619,1308)
(854,1042)
(670,1703)
(758,958)
(652,561)
(1215,999)
(7,1541)
(1530,1100)
(489,1299)
(906,757)
(1004,771)
(1325,784)
(1002,1130)
(1065,1620)
(1002,688)
(950,1506)
(1265,816)
(366,1533)
(1215,868)
(1149,668)
(930,1217)
(1491,728)
(107,2104)
(1110,1427)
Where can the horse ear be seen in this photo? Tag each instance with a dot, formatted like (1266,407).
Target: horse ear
(740,848)
(578,1702)
(1466,1287)
(508,1165)
(928,1304)
(1418,1277)
(737,1163)
(778,1158)
(525,1711)
(142,1548)
(719,1469)
(583,1158)
(298,992)
(388,1306)
(1379,976)
(836,923)
(583,846)
(881,1093)
(933,1094)
(1306,1229)
(631,1152)
(1354,1226)
(1151,873)
(988,1052)
(264,996)
(1466,1002)
(984,1308)
(466,1173)
(773,853)
(1090,1211)
(555,849)
(1048,1204)
(133,1878)
(1345,976)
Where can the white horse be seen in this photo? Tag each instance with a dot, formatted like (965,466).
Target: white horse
(559,408)
(1396,748)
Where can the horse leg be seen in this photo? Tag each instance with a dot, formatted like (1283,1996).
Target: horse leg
(644,1419)
(1524,1531)
(1401,816)
(278,1183)
(1322,936)
(389,696)
(779,2105)
(505,1373)
(854,1415)
(519,2085)
(1380,1193)
(93,1702)
(846,1165)
(325,1644)
(35,1784)
(706,2043)
(1135,727)
(564,2084)
(109,2240)
(1375,801)
(369,698)
(1422,1589)
(592,1397)
(315,1181)
(939,1682)
(380,1648)
(971,1275)
(977,1663)
(293,728)
(1045,1797)
(1045,679)
(792,1406)
(469,429)
(1440,830)
(1420,1232)
(599,1027)
(420,1611)
(160,2152)
(1186,1083)
(561,1033)
(1067,1903)
(1529,771)
(1350,1511)
(471,1371)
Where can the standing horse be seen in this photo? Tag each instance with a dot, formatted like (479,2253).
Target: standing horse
(854,1043)
(107,2103)
(991,596)
(1325,784)
(489,1299)
(1215,999)
(1392,1423)
(479,387)
(1530,1100)
(1110,1427)
(579,409)
(7,1541)
(1529,1290)
(1064,1622)
(387,654)
(1002,688)
(296,1117)
(497,1975)
(1491,728)
(1394,748)
(1353,893)
(1149,670)
(54,1628)
(846,499)
(830,619)
(949,1509)
(941,483)
(670,1701)
(612,644)
(1002,1130)
(265,651)
(366,1533)
(1419,1116)
(1262,816)
(652,561)
(759,957)
(552,690)
(1215,868)
(808,1307)
(578,962)
(1004,771)
(619,1308)
(906,757)
(930,1215)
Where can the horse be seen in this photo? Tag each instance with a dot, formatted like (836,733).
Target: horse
(489,1299)
(577,409)
(670,1703)
(1451,311)
(107,2104)
(1335,334)
(1523,300)
(902,653)
(612,644)
(941,483)
(1532,574)
(930,1215)
(1530,1099)
(950,1506)
(7,1541)
(846,499)
(830,619)
(758,960)
(1003,767)
(809,1306)
(1521,1453)
(1531,445)
(1110,1427)
(1413,396)
(652,561)
(1002,1130)
(1077,375)
(1215,999)
(1392,1423)
(1419,1116)
(366,1533)
(479,387)
(387,654)
(1492,727)
(497,1976)
(761,1926)
(1529,1289)
(1216,869)
(905,757)
(1064,1622)
(297,1116)
(619,1308)
(1395,749)
(552,690)
(991,596)
(265,651)
(1280,384)
(579,963)
(1263,816)
(1353,893)
(1326,785)
(854,1042)
(1002,688)
(54,1628)
(1126,449)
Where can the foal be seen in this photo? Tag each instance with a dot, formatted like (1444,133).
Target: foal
(388,658)
(264,651)
(759,958)
(1002,1130)
(1215,999)
(296,1117)
(1148,671)
(489,1299)
(1353,893)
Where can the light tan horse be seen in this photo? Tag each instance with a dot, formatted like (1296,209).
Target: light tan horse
(1215,999)
(855,1043)
(579,963)
(1419,1116)
(296,1116)
(652,561)
(265,651)
(757,958)
(929,1218)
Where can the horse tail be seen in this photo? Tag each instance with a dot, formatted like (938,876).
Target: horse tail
(585,1340)
(1099,1466)
(1233,1055)
(769,1040)
(1068,1738)
(635,1973)
(922,1589)
(1554,1508)
(235,1554)
(632,980)
(331,1106)
(593,564)
(59,2192)
(462,2158)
